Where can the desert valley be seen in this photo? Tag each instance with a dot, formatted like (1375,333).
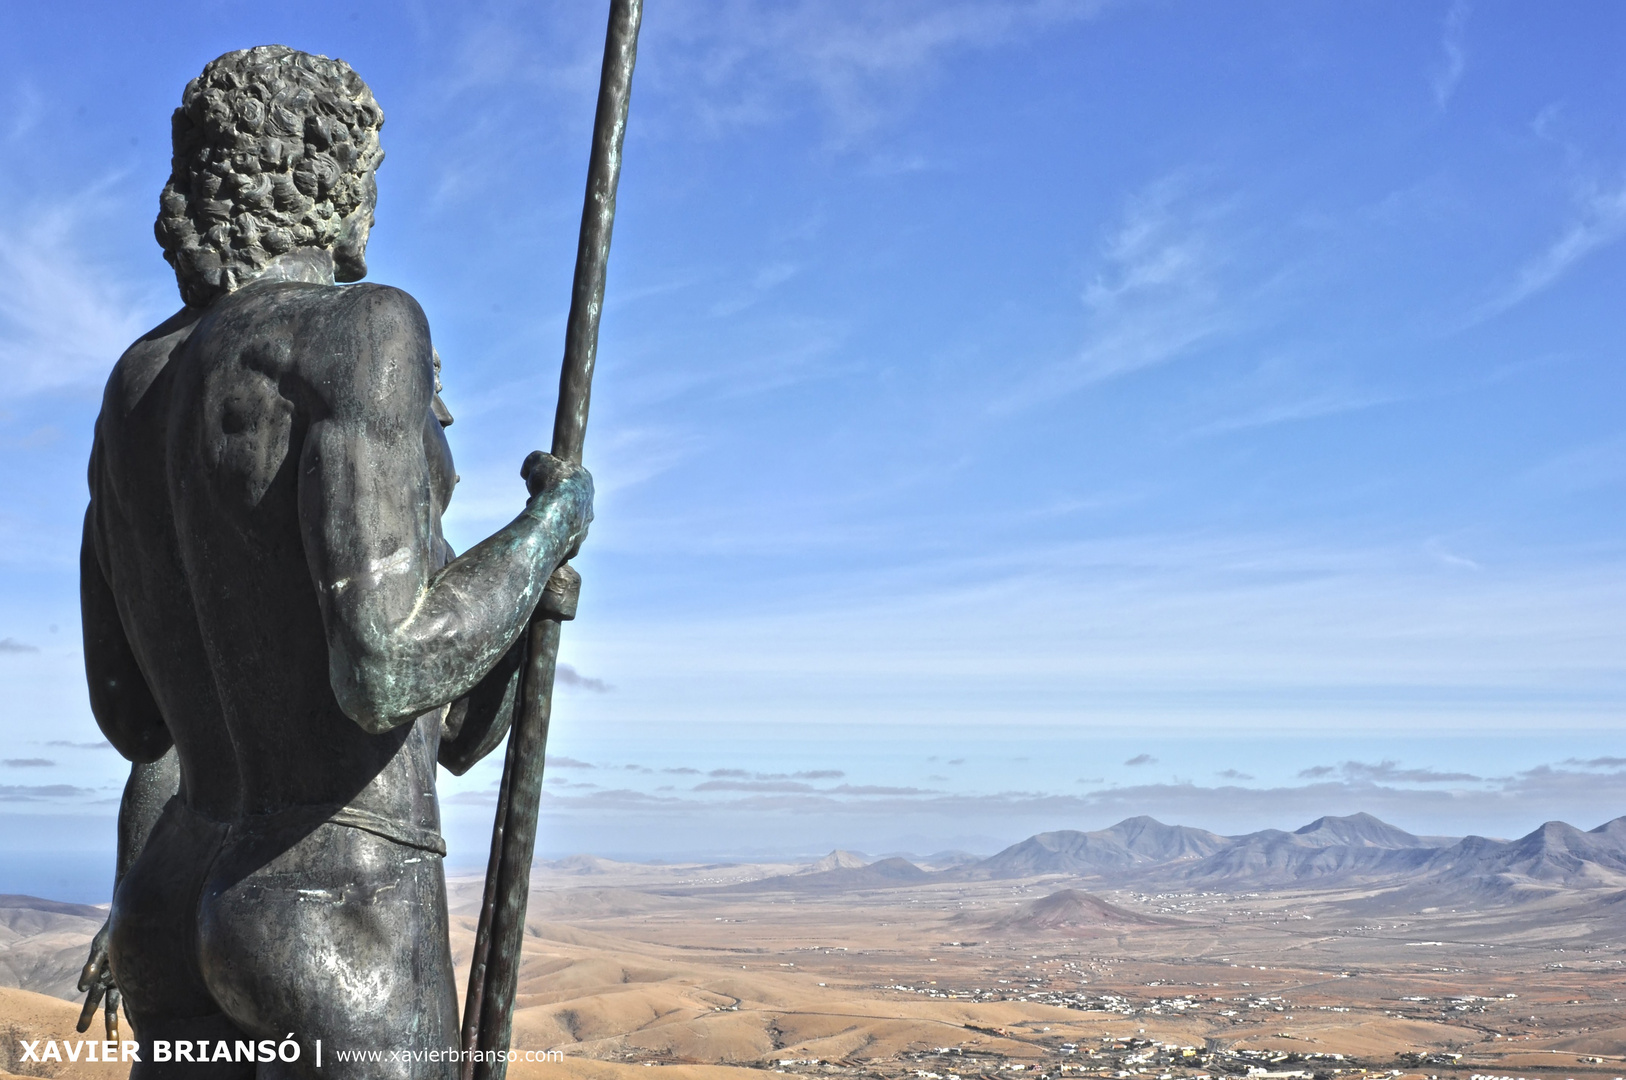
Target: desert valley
(1345,948)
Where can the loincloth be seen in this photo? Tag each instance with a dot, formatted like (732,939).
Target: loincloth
(309,818)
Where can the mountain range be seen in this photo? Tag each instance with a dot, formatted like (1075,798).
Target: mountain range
(1143,853)
(1327,850)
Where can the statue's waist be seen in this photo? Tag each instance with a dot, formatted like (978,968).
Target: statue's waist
(305,818)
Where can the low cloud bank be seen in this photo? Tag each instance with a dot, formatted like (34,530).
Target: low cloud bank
(739,817)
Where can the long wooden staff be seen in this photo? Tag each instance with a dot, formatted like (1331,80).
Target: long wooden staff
(488,1013)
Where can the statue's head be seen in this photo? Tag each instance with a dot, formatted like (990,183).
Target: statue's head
(274,151)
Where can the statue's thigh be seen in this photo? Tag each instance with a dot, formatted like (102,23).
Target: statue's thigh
(338,935)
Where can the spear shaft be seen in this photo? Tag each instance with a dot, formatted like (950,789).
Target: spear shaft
(488,1012)
(598,217)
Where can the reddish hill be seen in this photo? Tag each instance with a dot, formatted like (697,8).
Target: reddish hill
(1074,910)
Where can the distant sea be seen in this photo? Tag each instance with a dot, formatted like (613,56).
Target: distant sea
(78,877)
(58,856)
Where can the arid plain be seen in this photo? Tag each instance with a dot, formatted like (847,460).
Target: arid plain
(957,969)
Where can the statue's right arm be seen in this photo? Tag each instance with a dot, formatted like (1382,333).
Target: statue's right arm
(403,637)
(128,716)
(151,785)
(120,699)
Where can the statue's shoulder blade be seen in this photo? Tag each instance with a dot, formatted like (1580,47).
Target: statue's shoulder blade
(144,360)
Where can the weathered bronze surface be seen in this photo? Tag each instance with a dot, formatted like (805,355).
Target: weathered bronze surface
(267,597)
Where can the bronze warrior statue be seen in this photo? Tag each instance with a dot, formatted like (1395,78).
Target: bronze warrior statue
(275,631)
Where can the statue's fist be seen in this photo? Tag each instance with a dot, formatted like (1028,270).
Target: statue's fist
(561,488)
(542,471)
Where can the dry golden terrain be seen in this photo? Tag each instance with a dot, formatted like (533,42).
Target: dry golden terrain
(707,972)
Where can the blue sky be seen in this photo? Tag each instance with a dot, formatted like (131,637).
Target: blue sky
(1039,385)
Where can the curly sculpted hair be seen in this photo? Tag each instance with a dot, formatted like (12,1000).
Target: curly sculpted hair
(273,150)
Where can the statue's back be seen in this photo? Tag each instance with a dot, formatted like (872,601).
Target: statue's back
(196,498)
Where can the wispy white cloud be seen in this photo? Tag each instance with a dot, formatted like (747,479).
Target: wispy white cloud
(492,51)
(763,281)
(1388,771)
(1437,549)
(1599,221)
(761,357)
(1288,384)
(748,61)
(1165,632)
(64,318)
(1454,53)
(627,456)
(706,68)
(512,89)
(491,493)
(25,109)
(1597,464)
(44,793)
(1285,412)
(1156,297)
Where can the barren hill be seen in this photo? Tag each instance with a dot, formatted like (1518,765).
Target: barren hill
(581,864)
(1359,830)
(884,874)
(43,943)
(1148,837)
(1075,910)
(949,860)
(1066,851)
(1133,842)
(838,860)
